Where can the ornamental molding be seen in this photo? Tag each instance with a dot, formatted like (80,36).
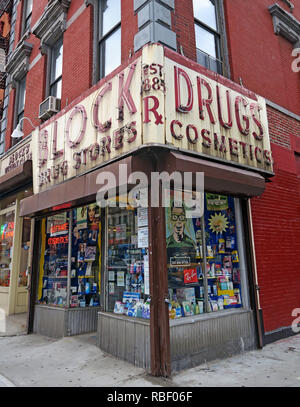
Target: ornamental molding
(52,23)
(285,24)
(18,63)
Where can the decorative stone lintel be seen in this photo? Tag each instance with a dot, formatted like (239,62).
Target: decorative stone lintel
(52,23)
(285,24)
(18,64)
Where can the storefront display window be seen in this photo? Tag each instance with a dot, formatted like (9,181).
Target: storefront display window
(7,225)
(86,257)
(128,262)
(54,260)
(70,264)
(195,288)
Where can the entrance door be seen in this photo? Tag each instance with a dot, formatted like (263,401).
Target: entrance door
(21,301)
(7,227)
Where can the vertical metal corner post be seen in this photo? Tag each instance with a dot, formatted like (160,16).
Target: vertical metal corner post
(205,284)
(253,269)
(33,272)
(159,315)
(69,258)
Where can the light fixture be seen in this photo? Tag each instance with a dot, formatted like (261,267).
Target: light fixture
(18,133)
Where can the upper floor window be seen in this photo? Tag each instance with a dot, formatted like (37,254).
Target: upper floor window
(56,64)
(27,11)
(208,34)
(19,106)
(21,94)
(109,35)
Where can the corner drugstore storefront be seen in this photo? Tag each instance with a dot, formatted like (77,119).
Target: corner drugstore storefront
(15,231)
(161,288)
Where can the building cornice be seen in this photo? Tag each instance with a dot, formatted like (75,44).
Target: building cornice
(285,24)
(52,23)
(18,62)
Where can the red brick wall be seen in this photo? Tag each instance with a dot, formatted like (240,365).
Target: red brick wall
(77,64)
(77,57)
(282,128)
(183,25)
(129,27)
(18,25)
(35,88)
(38,7)
(262,59)
(276,224)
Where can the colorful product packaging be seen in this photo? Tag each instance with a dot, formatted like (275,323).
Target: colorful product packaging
(221,246)
(235,256)
(200,305)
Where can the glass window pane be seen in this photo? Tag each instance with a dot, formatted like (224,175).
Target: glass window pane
(28,10)
(21,95)
(7,226)
(128,262)
(86,257)
(202,58)
(53,280)
(195,288)
(19,118)
(56,63)
(205,11)
(111,52)
(55,89)
(215,65)
(205,41)
(111,15)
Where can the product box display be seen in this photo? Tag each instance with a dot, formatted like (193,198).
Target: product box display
(128,263)
(85,258)
(215,286)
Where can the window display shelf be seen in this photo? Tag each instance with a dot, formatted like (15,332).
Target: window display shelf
(170,266)
(117,267)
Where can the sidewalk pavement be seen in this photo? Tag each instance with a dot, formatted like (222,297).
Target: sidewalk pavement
(35,361)
(14,325)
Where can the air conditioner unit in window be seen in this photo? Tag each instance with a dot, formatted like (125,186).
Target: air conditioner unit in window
(49,107)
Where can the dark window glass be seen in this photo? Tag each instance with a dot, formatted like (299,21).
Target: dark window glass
(21,100)
(207,35)
(109,36)
(205,11)
(27,14)
(204,257)
(56,69)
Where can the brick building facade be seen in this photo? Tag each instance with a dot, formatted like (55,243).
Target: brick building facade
(249,44)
